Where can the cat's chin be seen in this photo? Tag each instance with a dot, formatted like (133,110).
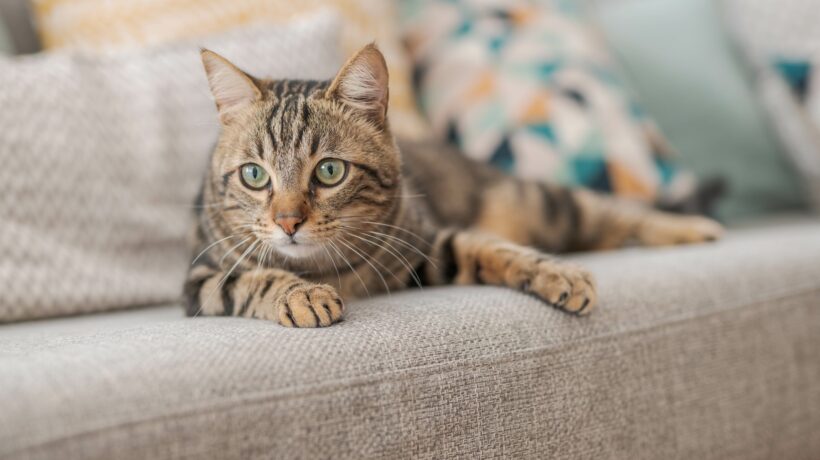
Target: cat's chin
(298,251)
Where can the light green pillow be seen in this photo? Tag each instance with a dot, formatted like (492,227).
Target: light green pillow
(678,57)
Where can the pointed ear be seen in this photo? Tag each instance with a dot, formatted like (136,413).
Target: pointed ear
(362,84)
(232,88)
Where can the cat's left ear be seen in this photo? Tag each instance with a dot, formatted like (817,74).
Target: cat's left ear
(232,88)
(362,84)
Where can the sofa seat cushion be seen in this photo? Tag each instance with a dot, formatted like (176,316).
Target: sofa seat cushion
(705,351)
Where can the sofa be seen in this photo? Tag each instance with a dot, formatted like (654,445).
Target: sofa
(706,351)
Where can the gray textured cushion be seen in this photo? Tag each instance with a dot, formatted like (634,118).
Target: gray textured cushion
(102,157)
(699,352)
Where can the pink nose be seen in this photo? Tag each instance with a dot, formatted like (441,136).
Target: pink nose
(289,222)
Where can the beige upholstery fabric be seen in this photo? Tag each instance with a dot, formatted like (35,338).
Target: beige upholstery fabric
(102,157)
(707,352)
(84,325)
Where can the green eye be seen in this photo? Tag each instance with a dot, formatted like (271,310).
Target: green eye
(254,176)
(330,171)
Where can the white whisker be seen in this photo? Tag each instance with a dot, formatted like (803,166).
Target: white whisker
(329,256)
(233,248)
(228,274)
(344,259)
(373,258)
(405,243)
(415,235)
(397,255)
(212,245)
(364,258)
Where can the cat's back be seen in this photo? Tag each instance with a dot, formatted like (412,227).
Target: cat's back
(449,183)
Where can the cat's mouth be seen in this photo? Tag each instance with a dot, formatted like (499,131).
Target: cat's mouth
(297,249)
(298,245)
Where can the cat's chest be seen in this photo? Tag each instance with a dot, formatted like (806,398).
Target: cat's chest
(392,267)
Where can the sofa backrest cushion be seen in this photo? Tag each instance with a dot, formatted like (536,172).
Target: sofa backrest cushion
(101,157)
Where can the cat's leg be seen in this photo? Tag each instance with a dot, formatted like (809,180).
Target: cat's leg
(471,257)
(606,222)
(562,219)
(271,294)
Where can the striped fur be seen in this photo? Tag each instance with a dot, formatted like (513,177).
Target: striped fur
(427,216)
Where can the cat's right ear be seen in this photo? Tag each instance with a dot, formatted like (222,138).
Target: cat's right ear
(232,88)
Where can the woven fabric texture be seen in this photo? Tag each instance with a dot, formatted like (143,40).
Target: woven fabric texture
(705,352)
(102,158)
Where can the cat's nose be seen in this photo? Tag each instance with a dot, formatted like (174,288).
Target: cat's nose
(289,221)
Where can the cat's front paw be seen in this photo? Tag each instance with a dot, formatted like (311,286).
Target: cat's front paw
(561,284)
(309,305)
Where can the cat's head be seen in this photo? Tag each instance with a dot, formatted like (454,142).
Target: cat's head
(300,165)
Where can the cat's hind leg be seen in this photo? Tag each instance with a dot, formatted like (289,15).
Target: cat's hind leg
(607,222)
(560,219)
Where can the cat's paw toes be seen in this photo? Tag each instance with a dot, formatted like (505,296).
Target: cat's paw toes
(563,285)
(310,305)
(673,230)
(698,229)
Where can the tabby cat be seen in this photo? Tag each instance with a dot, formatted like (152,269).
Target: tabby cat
(309,200)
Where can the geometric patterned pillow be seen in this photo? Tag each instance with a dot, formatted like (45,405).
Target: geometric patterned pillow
(782,42)
(102,157)
(529,87)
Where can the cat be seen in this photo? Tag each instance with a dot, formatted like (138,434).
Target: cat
(309,201)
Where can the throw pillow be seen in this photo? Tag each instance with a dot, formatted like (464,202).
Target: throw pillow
(102,157)
(679,59)
(529,87)
(103,24)
(782,44)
